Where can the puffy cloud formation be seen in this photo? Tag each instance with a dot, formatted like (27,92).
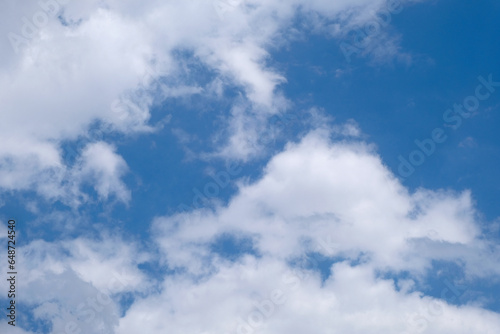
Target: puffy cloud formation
(70,284)
(321,204)
(326,240)
(68,65)
(98,164)
(104,168)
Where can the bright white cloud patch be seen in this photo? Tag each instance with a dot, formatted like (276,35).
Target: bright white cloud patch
(317,196)
(104,168)
(40,169)
(336,199)
(68,64)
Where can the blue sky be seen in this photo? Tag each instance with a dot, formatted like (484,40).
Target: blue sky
(235,166)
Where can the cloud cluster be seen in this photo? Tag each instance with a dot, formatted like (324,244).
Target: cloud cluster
(68,65)
(42,170)
(326,240)
(320,202)
(75,285)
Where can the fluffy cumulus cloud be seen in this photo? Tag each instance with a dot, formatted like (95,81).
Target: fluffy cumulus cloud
(76,285)
(314,190)
(326,240)
(321,204)
(68,65)
(43,171)
(104,168)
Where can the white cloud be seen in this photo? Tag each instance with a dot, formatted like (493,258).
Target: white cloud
(316,189)
(40,168)
(77,283)
(313,190)
(107,61)
(111,61)
(335,198)
(104,167)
